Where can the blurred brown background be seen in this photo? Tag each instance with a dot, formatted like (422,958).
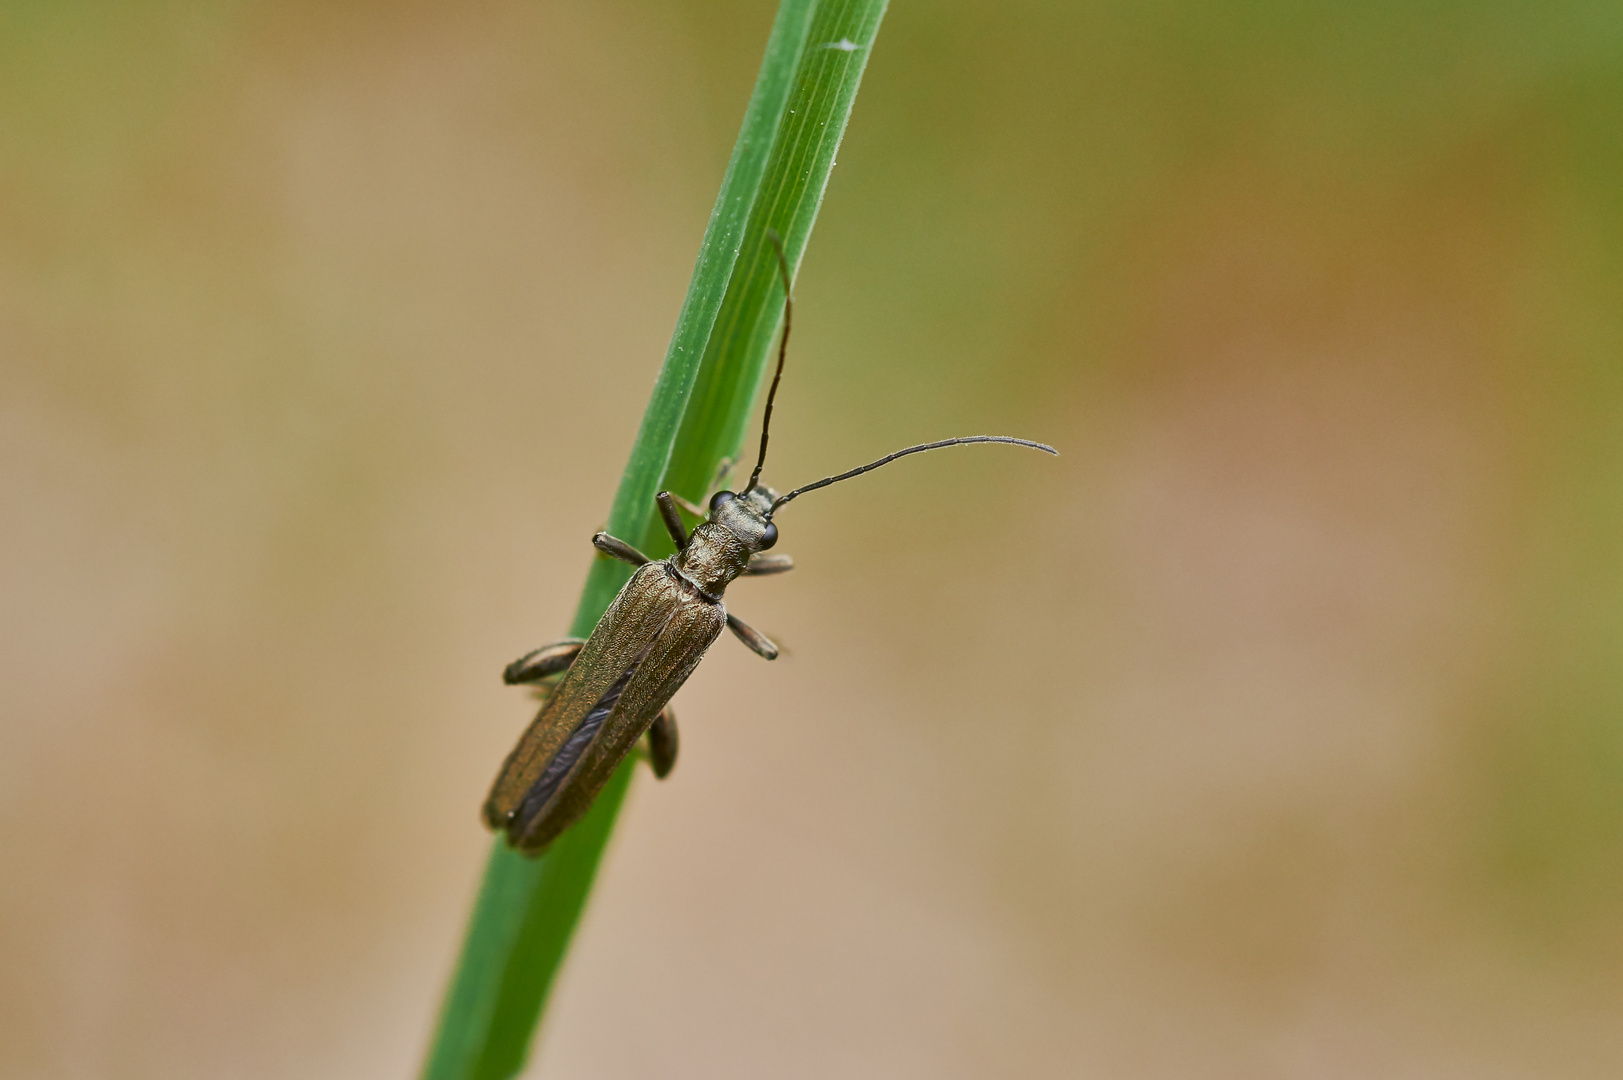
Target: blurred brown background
(1275,730)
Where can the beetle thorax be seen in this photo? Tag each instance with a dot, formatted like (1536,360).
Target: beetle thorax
(713,557)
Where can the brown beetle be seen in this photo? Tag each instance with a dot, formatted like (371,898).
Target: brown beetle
(616,686)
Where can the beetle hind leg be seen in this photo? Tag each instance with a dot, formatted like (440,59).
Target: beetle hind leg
(532,667)
(662,743)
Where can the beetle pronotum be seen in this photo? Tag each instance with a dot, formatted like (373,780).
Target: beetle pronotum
(616,685)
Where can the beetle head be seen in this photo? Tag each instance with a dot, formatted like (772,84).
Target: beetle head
(747,516)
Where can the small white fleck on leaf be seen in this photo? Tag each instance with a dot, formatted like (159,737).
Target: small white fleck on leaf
(844,45)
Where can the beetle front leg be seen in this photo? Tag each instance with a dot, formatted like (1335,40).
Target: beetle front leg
(691,507)
(724,469)
(662,743)
(752,637)
(769,564)
(610,545)
(548,660)
(672,519)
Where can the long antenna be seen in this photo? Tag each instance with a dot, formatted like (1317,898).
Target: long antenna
(783,348)
(919,449)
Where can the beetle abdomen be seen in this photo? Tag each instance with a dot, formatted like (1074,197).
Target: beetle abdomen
(621,641)
(668,652)
(553,776)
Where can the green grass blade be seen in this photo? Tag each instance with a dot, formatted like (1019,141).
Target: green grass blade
(736,361)
(527,909)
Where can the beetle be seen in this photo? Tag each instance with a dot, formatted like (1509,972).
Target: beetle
(603,694)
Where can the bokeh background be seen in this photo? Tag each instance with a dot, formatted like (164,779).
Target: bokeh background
(1275,730)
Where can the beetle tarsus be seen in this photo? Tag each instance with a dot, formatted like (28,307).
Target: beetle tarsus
(691,507)
(611,545)
(752,637)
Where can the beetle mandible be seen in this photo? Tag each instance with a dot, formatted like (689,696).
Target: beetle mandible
(616,685)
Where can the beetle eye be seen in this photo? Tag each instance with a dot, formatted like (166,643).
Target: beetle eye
(719,499)
(769,537)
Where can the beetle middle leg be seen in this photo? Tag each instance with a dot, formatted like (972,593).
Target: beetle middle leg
(548,660)
(752,637)
(612,545)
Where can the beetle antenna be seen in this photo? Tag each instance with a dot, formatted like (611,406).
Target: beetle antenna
(783,348)
(888,458)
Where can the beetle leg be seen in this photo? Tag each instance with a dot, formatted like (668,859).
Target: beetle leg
(610,545)
(662,743)
(693,508)
(770,564)
(724,469)
(672,519)
(547,660)
(752,637)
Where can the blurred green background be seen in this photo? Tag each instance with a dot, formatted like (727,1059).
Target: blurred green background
(1275,730)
